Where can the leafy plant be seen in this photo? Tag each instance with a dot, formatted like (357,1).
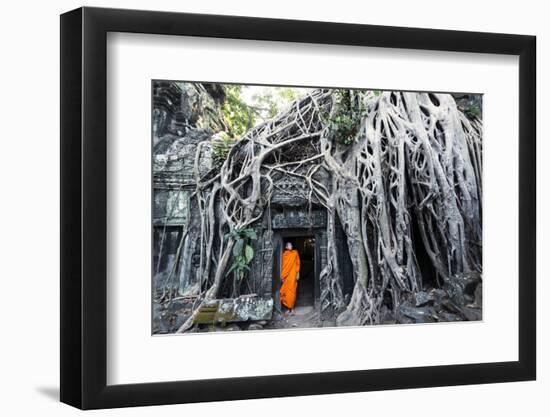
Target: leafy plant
(238,115)
(473,111)
(243,253)
(269,101)
(242,111)
(221,146)
(346,118)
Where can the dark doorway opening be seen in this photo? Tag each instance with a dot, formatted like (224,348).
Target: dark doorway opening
(165,240)
(428,271)
(305,245)
(344,260)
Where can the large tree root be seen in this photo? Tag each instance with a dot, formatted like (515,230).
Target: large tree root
(414,158)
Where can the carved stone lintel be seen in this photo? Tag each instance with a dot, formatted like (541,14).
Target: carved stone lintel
(298,218)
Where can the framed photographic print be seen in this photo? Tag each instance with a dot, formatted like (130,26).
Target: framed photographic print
(257,208)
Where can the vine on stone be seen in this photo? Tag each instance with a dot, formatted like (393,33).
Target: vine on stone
(395,161)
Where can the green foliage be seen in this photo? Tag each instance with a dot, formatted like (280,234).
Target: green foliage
(247,106)
(266,105)
(288,93)
(346,119)
(238,115)
(473,111)
(248,253)
(271,100)
(243,253)
(221,145)
(241,115)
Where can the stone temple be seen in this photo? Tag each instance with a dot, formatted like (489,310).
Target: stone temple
(177,131)
(185,115)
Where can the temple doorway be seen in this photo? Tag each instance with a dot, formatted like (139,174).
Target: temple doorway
(305,245)
(308,250)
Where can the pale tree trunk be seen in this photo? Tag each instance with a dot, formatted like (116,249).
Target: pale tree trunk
(414,158)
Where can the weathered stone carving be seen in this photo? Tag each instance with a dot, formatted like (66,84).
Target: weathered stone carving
(170,207)
(294,218)
(240,309)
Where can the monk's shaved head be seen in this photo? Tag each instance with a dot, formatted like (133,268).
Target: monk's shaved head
(288,245)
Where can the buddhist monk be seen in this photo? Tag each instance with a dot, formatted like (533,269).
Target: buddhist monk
(290,274)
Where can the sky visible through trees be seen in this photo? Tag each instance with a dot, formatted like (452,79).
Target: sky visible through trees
(248,106)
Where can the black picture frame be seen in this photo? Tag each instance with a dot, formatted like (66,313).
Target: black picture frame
(84,207)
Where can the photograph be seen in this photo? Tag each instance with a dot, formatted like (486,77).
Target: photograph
(283,207)
(247,209)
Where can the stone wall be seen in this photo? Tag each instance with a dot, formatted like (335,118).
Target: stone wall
(179,107)
(184,115)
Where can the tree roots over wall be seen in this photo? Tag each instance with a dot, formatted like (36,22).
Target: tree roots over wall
(377,161)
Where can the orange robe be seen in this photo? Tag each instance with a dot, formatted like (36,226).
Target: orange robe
(290,266)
